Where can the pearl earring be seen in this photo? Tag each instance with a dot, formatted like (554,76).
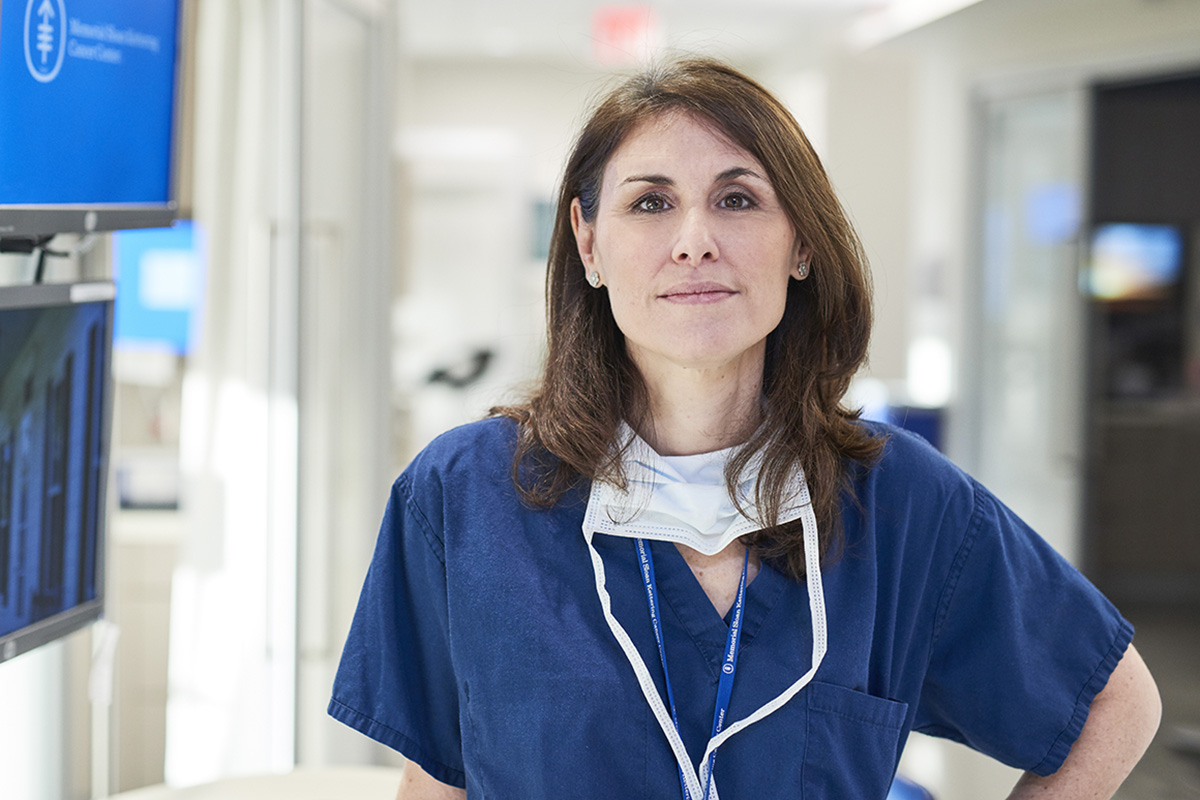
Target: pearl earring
(594,279)
(802,270)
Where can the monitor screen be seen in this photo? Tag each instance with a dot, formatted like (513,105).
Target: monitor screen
(88,91)
(55,410)
(160,286)
(1133,262)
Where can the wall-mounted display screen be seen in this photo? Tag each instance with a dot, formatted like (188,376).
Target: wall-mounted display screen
(1132,262)
(55,409)
(87,89)
(160,283)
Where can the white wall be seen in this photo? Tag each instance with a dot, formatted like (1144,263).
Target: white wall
(347,271)
(870,133)
(480,143)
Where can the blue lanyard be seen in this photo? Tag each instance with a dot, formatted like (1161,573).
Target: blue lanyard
(728,663)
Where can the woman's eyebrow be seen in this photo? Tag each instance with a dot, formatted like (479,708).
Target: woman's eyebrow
(662,180)
(728,175)
(739,172)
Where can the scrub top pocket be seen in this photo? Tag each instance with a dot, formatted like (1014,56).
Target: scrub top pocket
(852,742)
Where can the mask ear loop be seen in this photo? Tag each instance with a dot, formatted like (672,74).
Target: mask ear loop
(816,606)
(643,677)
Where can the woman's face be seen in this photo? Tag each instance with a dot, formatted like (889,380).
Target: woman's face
(692,245)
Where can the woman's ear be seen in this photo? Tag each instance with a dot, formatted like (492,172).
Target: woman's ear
(585,235)
(803,252)
(802,264)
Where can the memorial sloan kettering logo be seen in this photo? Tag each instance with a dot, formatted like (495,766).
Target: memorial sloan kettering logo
(50,37)
(45,38)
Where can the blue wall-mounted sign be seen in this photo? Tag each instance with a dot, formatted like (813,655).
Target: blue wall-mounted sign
(87,93)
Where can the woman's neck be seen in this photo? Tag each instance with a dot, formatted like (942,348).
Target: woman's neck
(702,410)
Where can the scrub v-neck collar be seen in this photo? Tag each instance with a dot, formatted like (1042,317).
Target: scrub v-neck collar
(683,594)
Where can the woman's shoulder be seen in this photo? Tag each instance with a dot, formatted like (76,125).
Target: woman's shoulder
(467,468)
(480,448)
(905,446)
(909,468)
(488,434)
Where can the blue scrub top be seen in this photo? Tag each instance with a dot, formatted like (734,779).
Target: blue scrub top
(480,652)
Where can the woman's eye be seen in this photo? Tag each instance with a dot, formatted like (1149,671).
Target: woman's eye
(650,203)
(736,201)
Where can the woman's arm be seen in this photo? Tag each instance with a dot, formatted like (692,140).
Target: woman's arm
(415,784)
(1120,724)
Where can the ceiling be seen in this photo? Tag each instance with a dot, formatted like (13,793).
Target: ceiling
(570,30)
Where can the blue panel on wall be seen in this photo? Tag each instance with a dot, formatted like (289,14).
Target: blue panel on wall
(87,93)
(160,286)
(925,422)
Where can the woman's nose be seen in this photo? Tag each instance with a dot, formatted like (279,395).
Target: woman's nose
(695,242)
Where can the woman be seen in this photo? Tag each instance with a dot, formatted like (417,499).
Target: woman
(768,594)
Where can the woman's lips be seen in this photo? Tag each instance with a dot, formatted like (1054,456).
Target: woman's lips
(697,293)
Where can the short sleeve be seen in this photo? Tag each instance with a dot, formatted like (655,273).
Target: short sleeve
(396,682)
(1022,644)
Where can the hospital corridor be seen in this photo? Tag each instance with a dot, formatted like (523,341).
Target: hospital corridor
(257,255)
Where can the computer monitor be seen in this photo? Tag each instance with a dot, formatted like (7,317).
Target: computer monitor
(55,420)
(1134,262)
(88,91)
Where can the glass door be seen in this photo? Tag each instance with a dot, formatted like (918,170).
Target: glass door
(1027,360)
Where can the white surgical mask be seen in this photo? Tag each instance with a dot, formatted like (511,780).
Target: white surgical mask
(661,503)
(680,499)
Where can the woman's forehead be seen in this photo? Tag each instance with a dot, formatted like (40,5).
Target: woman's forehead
(676,140)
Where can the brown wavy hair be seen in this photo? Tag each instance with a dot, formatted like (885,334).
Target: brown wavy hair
(568,427)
